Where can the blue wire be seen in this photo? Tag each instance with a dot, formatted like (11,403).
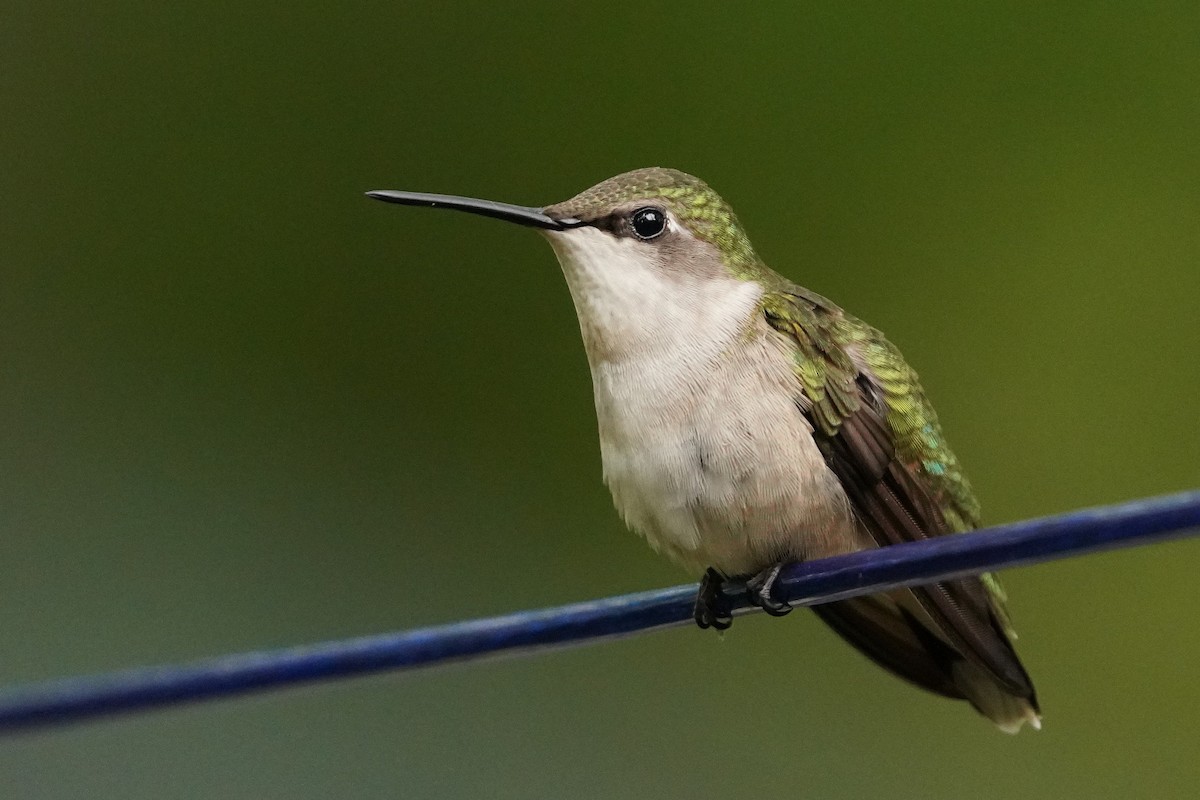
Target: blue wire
(1076,533)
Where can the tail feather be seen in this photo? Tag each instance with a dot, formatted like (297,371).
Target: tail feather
(889,629)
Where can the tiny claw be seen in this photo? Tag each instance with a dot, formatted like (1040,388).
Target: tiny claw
(760,587)
(713,609)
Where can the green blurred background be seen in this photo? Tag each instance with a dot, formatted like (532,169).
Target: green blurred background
(242,407)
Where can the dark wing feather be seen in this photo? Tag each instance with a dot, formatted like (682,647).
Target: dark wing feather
(881,438)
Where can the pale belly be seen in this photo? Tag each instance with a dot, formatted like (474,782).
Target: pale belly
(720,469)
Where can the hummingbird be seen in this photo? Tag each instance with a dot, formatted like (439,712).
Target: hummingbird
(746,423)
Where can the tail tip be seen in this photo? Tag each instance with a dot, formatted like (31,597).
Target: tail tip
(1013,725)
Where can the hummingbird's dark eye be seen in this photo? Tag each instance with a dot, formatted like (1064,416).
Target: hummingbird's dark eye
(648,222)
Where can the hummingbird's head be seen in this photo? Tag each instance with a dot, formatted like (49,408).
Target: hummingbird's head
(663,210)
(642,252)
(665,215)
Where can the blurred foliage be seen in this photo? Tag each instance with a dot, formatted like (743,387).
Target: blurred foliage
(241,406)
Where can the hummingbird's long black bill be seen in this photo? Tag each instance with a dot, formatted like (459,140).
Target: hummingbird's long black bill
(522,215)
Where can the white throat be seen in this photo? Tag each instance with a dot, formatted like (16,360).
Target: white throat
(630,305)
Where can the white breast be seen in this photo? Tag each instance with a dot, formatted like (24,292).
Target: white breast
(703,448)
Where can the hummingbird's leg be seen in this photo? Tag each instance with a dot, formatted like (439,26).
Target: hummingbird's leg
(759,588)
(712,605)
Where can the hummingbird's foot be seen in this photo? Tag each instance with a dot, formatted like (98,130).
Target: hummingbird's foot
(760,587)
(713,609)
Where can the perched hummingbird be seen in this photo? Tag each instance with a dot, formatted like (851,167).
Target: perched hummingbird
(746,422)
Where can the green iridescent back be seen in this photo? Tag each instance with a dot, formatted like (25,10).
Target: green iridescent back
(920,444)
(825,336)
